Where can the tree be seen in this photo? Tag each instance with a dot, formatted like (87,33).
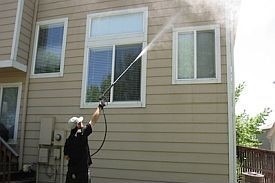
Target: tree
(247,127)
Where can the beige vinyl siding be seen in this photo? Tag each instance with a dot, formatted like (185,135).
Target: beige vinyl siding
(7,16)
(25,32)
(182,133)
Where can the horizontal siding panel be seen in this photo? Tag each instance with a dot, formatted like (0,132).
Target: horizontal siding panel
(120,180)
(5,43)
(26,30)
(164,157)
(77,30)
(162,166)
(13,79)
(152,176)
(181,89)
(163,147)
(74,61)
(65,7)
(183,109)
(32,134)
(187,98)
(8,13)
(33,125)
(144,119)
(23,43)
(55,86)
(56,101)
(5,50)
(23,54)
(31,142)
(29,159)
(74,38)
(6,28)
(164,54)
(147,126)
(65,98)
(74,68)
(49,97)
(24,39)
(28,10)
(8,5)
(3,2)
(75,53)
(31,151)
(195,98)
(7,36)
(163,62)
(7,21)
(75,45)
(175,137)
(77,22)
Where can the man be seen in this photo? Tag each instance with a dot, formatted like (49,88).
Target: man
(76,149)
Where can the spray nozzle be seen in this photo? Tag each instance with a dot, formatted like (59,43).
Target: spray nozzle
(102,101)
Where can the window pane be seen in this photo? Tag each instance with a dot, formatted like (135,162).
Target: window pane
(186,55)
(99,72)
(119,24)
(8,109)
(206,54)
(49,48)
(128,87)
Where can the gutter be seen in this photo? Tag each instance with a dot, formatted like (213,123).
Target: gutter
(230,93)
(26,89)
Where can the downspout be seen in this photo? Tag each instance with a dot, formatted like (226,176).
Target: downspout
(230,92)
(26,88)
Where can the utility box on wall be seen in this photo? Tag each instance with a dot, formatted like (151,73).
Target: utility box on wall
(59,138)
(43,155)
(46,131)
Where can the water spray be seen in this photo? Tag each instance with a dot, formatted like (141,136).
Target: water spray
(148,47)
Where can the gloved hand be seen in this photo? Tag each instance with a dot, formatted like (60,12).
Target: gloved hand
(102,102)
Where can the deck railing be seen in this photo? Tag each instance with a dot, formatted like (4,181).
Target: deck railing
(257,160)
(8,161)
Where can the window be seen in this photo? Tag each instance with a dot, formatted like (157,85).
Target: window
(113,41)
(196,55)
(10,95)
(49,49)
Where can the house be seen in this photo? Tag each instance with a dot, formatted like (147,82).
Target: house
(170,118)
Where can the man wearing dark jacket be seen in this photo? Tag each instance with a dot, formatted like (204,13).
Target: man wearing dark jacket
(76,149)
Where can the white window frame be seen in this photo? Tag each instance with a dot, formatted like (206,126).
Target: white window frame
(111,40)
(19,86)
(48,22)
(176,32)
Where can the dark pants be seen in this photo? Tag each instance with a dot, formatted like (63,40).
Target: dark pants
(79,177)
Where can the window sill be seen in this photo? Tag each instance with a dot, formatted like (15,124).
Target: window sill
(196,81)
(115,105)
(47,75)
